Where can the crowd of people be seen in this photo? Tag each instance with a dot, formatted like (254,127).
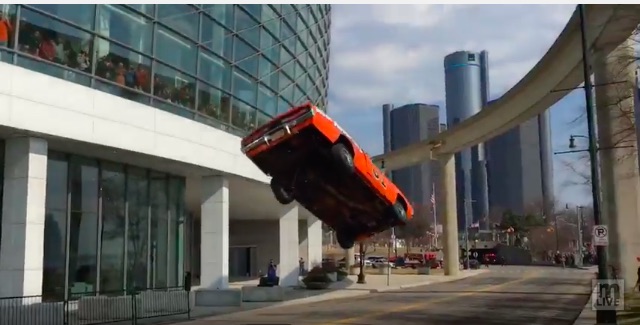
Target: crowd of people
(124,77)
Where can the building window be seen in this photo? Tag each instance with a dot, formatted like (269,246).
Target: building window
(471,57)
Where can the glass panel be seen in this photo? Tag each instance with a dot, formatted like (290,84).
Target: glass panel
(222,13)
(214,37)
(176,237)
(55,229)
(243,116)
(255,10)
(54,70)
(245,57)
(262,119)
(113,228)
(287,93)
(158,190)
(284,82)
(121,24)
(271,20)
(83,225)
(247,28)
(212,102)
(244,88)
(144,8)
(123,67)
(54,41)
(290,13)
(298,96)
(176,50)
(283,106)
(137,236)
(287,63)
(269,46)
(299,71)
(7,27)
(214,70)
(81,15)
(268,73)
(173,86)
(267,101)
(182,18)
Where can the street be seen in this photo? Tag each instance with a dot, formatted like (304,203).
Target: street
(505,295)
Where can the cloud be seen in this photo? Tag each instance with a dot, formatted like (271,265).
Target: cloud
(394,54)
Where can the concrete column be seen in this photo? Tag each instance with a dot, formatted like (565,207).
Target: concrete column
(214,229)
(314,242)
(350,257)
(288,242)
(449,216)
(25,188)
(618,167)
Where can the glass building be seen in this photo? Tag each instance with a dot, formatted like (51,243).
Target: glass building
(231,66)
(114,226)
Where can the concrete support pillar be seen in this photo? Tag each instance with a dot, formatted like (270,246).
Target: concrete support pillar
(614,72)
(450,216)
(350,257)
(288,242)
(23,209)
(214,229)
(314,242)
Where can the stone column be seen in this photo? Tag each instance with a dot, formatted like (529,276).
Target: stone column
(614,74)
(23,209)
(214,229)
(314,242)
(449,216)
(288,242)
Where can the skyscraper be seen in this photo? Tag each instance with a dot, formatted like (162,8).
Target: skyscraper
(467,91)
(520,168)
(403,126)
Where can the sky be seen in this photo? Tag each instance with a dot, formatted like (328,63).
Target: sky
(394,54)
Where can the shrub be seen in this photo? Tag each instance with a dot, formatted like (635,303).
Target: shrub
(329,267)
(317,274)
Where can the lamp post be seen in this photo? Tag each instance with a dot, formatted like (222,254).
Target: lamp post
(602,316)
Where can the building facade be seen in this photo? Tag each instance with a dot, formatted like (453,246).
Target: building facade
(406,125)
(120,129)
(520,168)
(466,88)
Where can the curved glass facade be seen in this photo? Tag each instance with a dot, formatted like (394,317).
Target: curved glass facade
(231,66)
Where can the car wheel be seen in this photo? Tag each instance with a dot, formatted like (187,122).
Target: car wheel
(345,240)
(398,213)
(343,158)
(282,194)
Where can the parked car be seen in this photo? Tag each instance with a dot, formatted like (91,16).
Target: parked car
(312,160)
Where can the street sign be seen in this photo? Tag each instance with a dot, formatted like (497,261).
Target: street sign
(600,235)
(475,254)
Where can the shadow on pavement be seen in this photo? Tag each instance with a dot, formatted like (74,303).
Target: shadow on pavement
(480,292)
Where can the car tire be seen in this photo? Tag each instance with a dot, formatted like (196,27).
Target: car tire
(345,240)
(282,194)
(397,213)
(343,158)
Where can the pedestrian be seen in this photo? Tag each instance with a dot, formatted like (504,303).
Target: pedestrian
(486,261)
(637,286)
(503,260)
(271,273)
(563,260)
(301,267)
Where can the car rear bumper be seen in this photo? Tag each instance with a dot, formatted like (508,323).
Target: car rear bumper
(277,134)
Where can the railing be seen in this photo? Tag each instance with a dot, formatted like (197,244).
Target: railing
(89,308)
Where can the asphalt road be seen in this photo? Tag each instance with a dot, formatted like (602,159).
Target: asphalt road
(505,295)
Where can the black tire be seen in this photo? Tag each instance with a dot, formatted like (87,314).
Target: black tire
(282,194)
(345,240)
(343,158)
(398,213)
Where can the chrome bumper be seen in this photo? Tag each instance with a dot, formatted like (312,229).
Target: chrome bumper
(280,131)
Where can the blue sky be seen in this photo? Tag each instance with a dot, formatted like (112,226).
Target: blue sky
(394,54)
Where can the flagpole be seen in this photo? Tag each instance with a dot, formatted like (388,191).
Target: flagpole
(435,218)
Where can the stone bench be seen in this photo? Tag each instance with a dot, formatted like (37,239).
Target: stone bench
(218,298)
(262,294)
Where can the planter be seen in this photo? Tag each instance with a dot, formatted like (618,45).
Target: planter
(383,269)
(333,276)
(342,276)
(424,270)
(317,285)
(354,270)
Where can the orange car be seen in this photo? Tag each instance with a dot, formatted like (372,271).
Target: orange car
(315,162)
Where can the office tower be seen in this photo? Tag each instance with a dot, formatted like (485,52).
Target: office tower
(406,125)
(467,88)
(520,168)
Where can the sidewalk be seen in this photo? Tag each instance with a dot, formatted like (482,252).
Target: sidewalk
(630,316)
(345,289)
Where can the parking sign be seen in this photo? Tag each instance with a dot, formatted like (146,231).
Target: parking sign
(600,235)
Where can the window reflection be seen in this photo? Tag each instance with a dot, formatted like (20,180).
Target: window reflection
(245,57)
(173,86)
(159,231)
(55,226)
(113,228)
(244,88)
(83,225)
(214,70)
(137,237)
(213,36)
(176,232)
(268,73)
(128,71)
(81,15)
(267,101)
(144,8)
(176,50)
(247,28)
(212,102)
(243,116)
(270,47)
(119,23)
(182,18)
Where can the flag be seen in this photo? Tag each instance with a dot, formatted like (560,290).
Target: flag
(475,225)
(433,198)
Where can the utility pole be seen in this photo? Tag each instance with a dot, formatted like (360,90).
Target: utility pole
(580,257)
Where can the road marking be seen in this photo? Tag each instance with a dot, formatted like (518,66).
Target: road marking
(361,318)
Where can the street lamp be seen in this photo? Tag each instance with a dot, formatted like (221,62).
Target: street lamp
(572,140)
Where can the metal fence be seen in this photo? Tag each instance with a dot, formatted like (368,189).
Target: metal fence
(91,308)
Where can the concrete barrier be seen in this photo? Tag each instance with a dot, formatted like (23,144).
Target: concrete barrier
(262,294)
(218,298)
